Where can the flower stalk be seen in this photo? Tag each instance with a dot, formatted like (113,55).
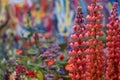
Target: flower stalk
(113,45)
(95,58)
(77,62)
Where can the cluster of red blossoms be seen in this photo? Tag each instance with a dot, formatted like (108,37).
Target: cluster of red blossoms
(113,38)
(88,61)
(96,62)
(21,70)
(31,74)
(77,61)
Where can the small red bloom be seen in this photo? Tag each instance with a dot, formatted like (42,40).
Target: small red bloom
(21,69)
(51,62)
(17,39)
(31,74)
(48,35)
(62,56)
(18,52)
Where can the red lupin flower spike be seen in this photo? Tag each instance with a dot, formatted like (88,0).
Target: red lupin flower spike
(95,58)
(113,45)
(76,64)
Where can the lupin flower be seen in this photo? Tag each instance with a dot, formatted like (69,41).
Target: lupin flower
(76,63)
(113,45)
(95,58)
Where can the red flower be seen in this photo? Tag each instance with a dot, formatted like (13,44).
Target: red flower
(51,62)
(95,59)
(17,8)
(17,39)
(77,62)
(21,69)
(31,74)
(18,52)
(62,56)
(113,46)
(48,35)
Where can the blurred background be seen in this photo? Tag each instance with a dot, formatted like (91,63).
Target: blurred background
(20,18)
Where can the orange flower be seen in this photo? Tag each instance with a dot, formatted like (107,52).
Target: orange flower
(62,56)
(18,52)
(69,67)
(51,62)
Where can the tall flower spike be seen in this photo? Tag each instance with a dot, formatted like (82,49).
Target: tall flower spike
(113,45)
(76,63)
(95,58)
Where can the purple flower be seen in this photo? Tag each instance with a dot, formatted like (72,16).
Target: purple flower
(49,79)
(4,37)
(69,48)
(63,71)
(43,50)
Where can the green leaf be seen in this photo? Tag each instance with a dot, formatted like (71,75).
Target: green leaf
(33,51)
